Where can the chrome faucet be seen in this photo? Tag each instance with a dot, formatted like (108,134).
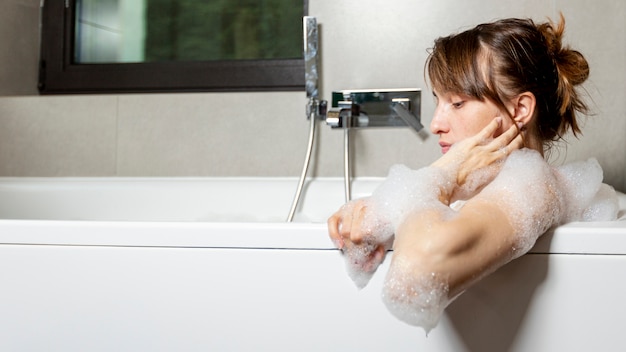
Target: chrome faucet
(351,109)
(375,108)
(356,108)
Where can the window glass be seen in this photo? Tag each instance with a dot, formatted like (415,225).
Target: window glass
(113,46)
(116,31)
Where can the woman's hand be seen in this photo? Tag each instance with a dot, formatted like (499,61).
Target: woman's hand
(355,229)
(344,226)
(480,150)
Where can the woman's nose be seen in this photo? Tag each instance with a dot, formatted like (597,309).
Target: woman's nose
(438,123)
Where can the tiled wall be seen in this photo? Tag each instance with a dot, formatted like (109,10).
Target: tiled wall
(365,44)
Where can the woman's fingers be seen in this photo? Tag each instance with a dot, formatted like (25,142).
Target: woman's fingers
(360,227)
(345,226)
(484,149)
(488,131)
(334,224)
(516,143)
(339,225)
(356,232)
(508,138)
(508,135)
(507,142)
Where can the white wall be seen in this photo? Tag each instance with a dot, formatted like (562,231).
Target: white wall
(365,44)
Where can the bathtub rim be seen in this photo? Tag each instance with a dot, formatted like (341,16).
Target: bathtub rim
(574,238)
(608,238)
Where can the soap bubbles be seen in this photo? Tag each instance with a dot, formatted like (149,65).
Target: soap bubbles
(415,300)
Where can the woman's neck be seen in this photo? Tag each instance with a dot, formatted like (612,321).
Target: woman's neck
(531,141)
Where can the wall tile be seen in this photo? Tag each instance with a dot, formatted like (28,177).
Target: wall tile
(599,32)
(19,56)
(226,134)
(57,136)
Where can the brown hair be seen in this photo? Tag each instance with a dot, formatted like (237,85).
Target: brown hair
(500,60)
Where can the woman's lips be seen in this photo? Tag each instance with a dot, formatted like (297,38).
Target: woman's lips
(444,147)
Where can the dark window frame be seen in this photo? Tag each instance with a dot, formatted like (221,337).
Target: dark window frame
(59,75)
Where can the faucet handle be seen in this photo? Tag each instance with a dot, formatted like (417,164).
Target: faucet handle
(345,115)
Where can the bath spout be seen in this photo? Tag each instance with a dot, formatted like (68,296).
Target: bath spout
(401,107)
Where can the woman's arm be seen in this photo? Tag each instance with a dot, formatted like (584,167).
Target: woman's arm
(437,255)
(465,247)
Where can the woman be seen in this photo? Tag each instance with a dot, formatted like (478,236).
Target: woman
(505,92)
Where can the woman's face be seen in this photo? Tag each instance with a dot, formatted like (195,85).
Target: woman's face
(458,117)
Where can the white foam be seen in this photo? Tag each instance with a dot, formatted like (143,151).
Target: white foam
(403,192)
(587,198)
(604,206)
(526,190)
(406,191)
(361,262)
(415,300)
(475,182)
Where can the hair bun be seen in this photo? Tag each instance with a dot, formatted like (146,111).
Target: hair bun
(570,63)
(571,66)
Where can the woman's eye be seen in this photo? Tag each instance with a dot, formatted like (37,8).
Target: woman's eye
(458,104)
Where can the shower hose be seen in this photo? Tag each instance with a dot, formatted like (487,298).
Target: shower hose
(305,168)
(346,167)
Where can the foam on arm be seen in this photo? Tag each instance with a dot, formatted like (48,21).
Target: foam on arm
(403,192)
(437,256)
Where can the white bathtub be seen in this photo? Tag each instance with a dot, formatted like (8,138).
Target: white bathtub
(209,265)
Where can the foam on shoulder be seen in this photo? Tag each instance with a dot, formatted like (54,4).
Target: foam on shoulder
(526,190)
(587,198)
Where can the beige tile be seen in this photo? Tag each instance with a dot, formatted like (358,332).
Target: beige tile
(599,32)
(19,56)
(222,134)
(57,136)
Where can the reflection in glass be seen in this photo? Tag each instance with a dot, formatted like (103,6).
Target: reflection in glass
(127,31)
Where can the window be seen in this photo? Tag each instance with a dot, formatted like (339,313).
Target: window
(106,46)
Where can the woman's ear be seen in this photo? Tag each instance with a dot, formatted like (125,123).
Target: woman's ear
(524,107)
